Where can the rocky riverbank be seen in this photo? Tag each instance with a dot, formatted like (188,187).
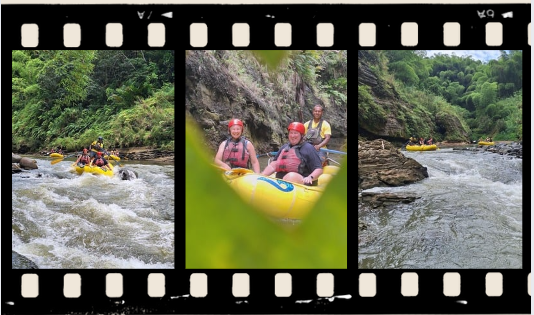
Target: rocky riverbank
(137,153)
(380,164)
(514,149)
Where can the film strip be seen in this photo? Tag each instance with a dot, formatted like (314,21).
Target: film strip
(278,291)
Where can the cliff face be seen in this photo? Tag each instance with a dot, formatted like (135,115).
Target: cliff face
(383,113)
(220,87)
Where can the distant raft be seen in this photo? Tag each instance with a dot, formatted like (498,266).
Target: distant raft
(431,147)
(486,143)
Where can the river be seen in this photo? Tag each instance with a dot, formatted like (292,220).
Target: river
(469,216)
(64,220)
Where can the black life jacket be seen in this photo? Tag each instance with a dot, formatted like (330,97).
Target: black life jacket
(313,135)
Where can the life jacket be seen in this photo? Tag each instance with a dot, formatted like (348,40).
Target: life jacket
(313,135)
(99,144)
(85,159)
(236,154)
(99,161)
(290,160)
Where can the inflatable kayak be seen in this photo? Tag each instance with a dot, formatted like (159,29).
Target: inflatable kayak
(431,147)
(276,197)
(112,157)
(486,143)
(80,169)
(56,155)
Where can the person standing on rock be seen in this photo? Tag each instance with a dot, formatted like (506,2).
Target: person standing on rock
(236,151)
(318,132)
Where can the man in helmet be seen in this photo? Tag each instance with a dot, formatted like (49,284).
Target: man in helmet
(97,146)
(297,161)
(100,161)
(236,151)
(318,132)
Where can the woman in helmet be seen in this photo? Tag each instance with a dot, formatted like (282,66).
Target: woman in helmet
(296,161)
(83,159)
(237,151)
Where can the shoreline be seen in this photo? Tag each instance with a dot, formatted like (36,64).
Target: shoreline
(131,154)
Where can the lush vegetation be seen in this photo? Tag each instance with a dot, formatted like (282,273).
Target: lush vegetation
(487,96)
(70,97)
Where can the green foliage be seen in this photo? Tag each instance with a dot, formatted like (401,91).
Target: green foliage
(480,96)
(236,236)
(369,113)
(271,58)
(69,97)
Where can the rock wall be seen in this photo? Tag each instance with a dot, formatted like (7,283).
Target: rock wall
(215,92)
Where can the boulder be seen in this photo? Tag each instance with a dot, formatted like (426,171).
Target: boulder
(127,174)
(20,262)
(28,164)
(380,164)
(15,158)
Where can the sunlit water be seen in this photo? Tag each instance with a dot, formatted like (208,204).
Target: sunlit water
(65,220)
(469,216)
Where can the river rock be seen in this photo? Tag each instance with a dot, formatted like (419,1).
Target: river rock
(20,262)
(27,163)
(127,174)
(380,164)
(15,158)
(376,199)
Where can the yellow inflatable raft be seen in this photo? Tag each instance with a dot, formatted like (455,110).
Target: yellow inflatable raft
(425,147)
(276,197)
(56,155)
(93,169)
(486,143)
(112,157)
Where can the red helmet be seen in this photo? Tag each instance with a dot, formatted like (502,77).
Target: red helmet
(235,122)
(99,153)
(296,126)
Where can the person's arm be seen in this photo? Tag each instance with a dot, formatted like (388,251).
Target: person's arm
(218,157)
(313,176)
(269,169)
(253,158)
(323,143)
(314,163)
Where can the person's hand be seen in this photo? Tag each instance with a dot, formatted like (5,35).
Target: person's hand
(308,180)
(317,147)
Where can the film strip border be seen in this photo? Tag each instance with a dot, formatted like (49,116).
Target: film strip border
(282,285)
(198,34)
(271,291)
(470,26)
(264,26)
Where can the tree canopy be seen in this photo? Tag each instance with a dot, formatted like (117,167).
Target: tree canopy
(487,96)
(69,97)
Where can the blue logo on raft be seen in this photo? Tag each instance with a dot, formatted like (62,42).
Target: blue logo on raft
(288,186)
